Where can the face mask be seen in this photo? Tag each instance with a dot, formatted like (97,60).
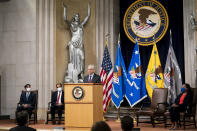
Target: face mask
(182,90)
(28,89)
(59,89)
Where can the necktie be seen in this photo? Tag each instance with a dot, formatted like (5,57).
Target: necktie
(27,95)
(90,79)
(58,98)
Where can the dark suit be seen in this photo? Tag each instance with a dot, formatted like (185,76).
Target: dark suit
(31,101)
(175,111)
(22,128)
(54,106)
(95,79)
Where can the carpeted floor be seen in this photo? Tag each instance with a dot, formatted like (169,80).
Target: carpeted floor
(115,126)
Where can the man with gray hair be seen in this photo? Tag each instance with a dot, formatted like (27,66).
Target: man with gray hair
(92,77)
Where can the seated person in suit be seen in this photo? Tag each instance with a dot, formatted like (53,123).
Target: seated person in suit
(27,100)
(100,126)
(57,103)
(92,77)
(22,118)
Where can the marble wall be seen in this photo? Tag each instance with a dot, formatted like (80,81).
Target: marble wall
(190,42)
(17,50)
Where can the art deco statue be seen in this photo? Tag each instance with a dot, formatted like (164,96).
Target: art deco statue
(76,62)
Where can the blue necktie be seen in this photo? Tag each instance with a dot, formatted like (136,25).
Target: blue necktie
(27,96)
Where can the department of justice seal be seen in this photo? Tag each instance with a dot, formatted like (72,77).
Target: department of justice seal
(146,19)
(78,93)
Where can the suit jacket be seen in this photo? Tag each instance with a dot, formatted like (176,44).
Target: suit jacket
(54,98)
(31,99)
(22,128)
(95,79)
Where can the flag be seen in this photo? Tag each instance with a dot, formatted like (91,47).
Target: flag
(172,75)
(154,73)
(106,75)
(117,85)
(124,75)
(135,87)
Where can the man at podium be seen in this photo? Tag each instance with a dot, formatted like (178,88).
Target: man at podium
(92,77)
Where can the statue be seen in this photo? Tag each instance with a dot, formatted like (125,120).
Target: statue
(76,63)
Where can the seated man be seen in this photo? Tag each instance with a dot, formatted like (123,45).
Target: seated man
(92,77)
(27,100)
(57,103)
(22,118)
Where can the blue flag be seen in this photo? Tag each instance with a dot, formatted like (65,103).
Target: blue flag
(117,85)
(124,75)
(135,86)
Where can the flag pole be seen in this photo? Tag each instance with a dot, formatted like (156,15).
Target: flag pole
(118,120)
(170,37)
(106,37)
(134,114)
(134,107)
(106,41)
(155,58)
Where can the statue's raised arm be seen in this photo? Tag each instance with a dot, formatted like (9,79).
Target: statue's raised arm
(65,17)
(87,17)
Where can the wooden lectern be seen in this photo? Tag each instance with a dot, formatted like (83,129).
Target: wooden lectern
(83,104)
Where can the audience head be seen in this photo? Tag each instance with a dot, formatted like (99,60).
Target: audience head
(21,118)
(91,69)
(186,88)
(59,86)
(27,87)
(100,126)
(127,123)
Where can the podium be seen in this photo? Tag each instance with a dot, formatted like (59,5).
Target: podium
(83,104)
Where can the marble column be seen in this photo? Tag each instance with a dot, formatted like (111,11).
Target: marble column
(107,22)
(44,54)
(190,42)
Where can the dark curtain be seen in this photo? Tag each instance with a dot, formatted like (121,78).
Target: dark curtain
(175,14)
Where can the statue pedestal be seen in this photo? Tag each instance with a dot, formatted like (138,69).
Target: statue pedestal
(71,74)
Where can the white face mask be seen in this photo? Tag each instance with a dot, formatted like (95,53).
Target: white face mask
(59,89)
(28,89)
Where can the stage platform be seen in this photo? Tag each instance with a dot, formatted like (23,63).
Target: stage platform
(5,125)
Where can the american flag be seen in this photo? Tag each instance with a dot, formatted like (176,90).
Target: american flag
(106,75)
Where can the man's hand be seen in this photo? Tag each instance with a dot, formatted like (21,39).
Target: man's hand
(59,104)
(175,105)
(25,105)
